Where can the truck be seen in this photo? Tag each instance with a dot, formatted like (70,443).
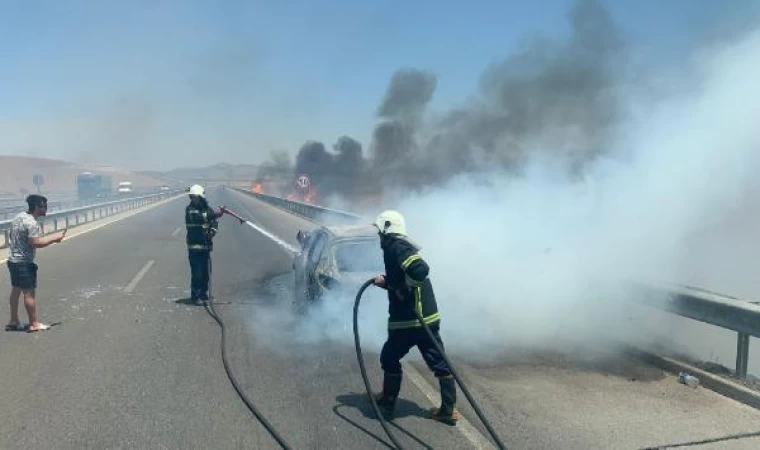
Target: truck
(92,186)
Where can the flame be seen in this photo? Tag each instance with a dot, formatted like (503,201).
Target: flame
(310,195)
(257,188)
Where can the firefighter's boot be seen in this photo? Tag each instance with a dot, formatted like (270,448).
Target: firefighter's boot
(386,400)
(447,413)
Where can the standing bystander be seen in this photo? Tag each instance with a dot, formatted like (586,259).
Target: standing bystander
(25,238)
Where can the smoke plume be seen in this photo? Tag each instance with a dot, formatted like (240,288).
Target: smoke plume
(514,260)
(563,180)
(334,172)
(556,100)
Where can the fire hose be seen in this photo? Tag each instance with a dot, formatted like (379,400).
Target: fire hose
(363,369)
(486,423)
(212,312)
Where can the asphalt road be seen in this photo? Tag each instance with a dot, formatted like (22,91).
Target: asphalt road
(133,366)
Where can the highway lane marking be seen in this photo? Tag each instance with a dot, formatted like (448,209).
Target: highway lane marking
(475,437)
(73,232)
(176,231)
(139,276)
(464,426)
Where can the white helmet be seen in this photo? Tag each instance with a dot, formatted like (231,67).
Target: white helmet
(390,222)
(196,189)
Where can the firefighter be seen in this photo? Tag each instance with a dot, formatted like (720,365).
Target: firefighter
(202,225)
(409,289)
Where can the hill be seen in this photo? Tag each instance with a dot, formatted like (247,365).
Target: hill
(59,177)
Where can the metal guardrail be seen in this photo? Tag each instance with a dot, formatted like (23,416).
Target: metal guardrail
(306,210)
(709,307)
(73,217)
(724,311)
(8,211)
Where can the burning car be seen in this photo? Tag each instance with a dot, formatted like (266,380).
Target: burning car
(333,258)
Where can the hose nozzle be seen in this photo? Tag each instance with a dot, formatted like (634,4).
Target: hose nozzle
(225,210)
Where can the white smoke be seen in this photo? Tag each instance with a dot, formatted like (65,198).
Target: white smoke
(282,326)
(514,259)
(536,260)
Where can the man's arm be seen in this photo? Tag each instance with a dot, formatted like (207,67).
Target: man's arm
(42,242)
(37,241)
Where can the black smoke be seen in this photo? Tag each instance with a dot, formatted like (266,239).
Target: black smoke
(552,99)
(339,171)
(402,111)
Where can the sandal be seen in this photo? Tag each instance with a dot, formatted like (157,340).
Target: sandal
(16,327)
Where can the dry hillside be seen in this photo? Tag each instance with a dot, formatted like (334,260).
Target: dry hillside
(17,173)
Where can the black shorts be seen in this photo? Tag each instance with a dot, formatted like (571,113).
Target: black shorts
(23,274)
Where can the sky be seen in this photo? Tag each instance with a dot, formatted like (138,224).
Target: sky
(162,84)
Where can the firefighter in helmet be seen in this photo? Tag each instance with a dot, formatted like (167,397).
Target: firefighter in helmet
(202,225)
(409,290)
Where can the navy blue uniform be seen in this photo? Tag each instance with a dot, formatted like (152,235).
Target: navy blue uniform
(202,225)
(409,289)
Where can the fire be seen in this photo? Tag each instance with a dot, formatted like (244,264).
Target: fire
(310,196)
(257,188)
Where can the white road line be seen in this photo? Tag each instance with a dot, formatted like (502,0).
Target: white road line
(139,276)
(464,426)
(176,231)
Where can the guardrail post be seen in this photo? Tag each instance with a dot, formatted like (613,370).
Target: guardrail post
(742,354)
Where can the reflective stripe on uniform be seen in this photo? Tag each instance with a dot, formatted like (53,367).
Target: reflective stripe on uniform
(197,247)
(408,261)
(196,225)
(414,323)
(418,300)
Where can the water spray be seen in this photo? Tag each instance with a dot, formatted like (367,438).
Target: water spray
(225,210)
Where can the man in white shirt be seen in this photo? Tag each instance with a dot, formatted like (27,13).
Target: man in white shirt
(24,240)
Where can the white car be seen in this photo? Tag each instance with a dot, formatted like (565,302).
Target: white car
(125,187)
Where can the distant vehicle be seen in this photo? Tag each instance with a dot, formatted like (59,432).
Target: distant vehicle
(125,188)
(93,186)
(335,258)
(164,188)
